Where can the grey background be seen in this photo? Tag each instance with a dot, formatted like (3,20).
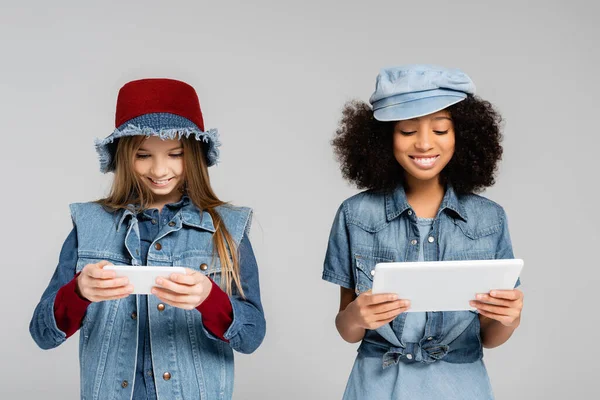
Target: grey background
(272,76)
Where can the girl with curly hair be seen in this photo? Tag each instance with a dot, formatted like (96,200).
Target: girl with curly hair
(422,150)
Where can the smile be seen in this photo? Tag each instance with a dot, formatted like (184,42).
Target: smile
(424,162)
(160,183)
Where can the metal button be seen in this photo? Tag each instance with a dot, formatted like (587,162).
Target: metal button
(133,315)
(373,272)
(158,246)
(409,212)
(171,224)
(430,239)
(154,221)
(203,267)
(166,376)
(409,356)
(429,338)
(124,384)
(160,307)
(413,242)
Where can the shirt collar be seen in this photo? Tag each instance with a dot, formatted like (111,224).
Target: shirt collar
(190,214)
(396,203)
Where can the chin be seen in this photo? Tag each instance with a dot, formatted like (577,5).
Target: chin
(424,176)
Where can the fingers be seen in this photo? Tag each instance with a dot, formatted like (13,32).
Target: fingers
(501,310)
(110,283)
(96,271)
(190,278)
(391,314)
(486,298)
(175,286)
(111,294)
(184,301)
(514,294)
(390,306)
(367,298)
(96,284)
(503,319)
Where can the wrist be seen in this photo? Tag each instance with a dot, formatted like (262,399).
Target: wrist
(78,289)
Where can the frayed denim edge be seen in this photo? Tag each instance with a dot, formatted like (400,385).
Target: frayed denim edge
(211,137)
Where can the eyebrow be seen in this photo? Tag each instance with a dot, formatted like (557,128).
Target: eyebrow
(173,149)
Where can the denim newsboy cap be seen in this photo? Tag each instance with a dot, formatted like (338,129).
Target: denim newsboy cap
(411,91)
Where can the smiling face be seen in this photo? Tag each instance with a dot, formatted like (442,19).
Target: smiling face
(423,146)
(159,165)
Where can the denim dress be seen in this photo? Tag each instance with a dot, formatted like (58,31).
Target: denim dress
(440,380)
(424,355)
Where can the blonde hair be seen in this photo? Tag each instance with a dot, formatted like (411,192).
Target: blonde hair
(127,188)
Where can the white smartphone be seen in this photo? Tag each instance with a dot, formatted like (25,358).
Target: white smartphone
(143,279)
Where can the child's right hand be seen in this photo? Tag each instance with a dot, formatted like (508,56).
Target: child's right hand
(370,311)
(95,284)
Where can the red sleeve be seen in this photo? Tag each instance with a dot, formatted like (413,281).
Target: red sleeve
(217,313)
(69,308)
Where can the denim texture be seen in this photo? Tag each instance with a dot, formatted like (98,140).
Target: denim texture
(411,91)
(373,227)
(200,364)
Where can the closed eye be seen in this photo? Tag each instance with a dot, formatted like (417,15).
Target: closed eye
(176,155)
(407,133)
(142,156)
(441,132)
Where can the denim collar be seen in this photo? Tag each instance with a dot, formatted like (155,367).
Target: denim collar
(396,203)
(190,214)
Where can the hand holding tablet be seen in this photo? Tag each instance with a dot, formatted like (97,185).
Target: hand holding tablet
(445,285)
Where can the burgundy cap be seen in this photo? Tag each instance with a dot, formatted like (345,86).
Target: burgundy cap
(147,96)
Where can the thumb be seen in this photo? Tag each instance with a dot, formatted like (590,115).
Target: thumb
(103,264)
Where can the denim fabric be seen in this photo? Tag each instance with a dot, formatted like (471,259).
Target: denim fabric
(376,227)
(163,125)
(416,381)
(151,222)
(200,364)
(410,91)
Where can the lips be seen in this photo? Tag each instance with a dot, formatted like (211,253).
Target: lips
(162,182)
(424,162)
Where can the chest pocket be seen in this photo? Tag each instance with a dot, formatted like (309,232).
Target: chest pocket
(85,259)
(365,269)
(202,262)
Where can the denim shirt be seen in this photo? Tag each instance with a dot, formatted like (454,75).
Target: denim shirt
(199,364)
(373,227)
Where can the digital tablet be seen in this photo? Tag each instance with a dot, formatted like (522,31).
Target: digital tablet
(445,285)
(144,278)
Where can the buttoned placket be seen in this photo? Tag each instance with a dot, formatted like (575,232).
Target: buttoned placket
(158,225)
(433,324)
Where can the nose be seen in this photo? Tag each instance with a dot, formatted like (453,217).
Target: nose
(423,140)
(159,167)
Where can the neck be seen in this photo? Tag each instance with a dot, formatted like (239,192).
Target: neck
(160,202)
(424,197)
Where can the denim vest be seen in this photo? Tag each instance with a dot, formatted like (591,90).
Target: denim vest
(373,227)
(189,362)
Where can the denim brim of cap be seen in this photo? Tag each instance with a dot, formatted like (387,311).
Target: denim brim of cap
(163,125)
(416,104)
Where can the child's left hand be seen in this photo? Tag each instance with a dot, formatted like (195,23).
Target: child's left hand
(503,306)
(183,291)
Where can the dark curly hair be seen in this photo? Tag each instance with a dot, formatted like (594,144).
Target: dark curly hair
(364,147)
